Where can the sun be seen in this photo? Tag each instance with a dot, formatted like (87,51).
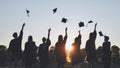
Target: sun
(68,47)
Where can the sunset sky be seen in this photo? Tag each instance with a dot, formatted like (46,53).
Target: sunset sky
(105,12)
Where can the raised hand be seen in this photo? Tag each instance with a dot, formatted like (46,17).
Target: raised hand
(95,24)
(66,29)
(49,32)
(79,31)
(49,29)
(23,25)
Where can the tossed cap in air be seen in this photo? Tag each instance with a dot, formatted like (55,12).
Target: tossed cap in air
(100,33)
(81,24)
(27,11)
(54,10)
(64,20)
(90,21)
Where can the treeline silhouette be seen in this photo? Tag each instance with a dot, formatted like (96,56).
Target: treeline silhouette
(42,56)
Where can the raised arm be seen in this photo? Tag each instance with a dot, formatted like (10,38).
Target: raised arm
(49,32)
(79,38)
(95,27)
(66,31)
(21,32)
(65,37)
(95,33)
(79,32)
(23,27)
(48,39)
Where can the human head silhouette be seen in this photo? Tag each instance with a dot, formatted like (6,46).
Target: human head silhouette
(90,35)
(30,38)
(60,38)
(15,34)
(44,39)
(75,40)
(106,38)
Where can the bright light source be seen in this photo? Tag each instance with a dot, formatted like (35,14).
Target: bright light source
(68,47)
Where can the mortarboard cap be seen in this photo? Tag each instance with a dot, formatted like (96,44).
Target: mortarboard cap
(100,33)
(27,11)
(54,10)
(64,20)
(81,24)
(90,21)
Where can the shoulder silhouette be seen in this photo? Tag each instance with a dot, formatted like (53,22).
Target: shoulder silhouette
(106,52)
(15,47)
(43,51)
(30,52)
(75,53)
(60,50)
(90,47)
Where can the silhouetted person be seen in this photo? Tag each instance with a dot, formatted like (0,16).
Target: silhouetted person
(106,53)
(29,52)
(60,50)
(43,51)
(75,53)
(15,48)
(90,48)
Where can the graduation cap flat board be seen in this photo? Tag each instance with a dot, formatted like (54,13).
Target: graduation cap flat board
(90,21)
(64,20)
(100,33)
(81,24)
(27,11)
(54,10)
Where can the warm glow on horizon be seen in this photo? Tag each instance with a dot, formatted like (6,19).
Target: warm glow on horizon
(68,58)
(68,47)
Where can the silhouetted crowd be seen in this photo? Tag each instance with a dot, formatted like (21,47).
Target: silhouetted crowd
(31,51)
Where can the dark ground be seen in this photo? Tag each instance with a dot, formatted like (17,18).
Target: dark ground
(54,65)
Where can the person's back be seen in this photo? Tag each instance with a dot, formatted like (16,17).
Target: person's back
(30,48)
(106,48)
(90,48)
(30,51)
(75,53)
(106,53)
(60,50)
(15,44)
(43,51)
(15,48)
(90,45)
